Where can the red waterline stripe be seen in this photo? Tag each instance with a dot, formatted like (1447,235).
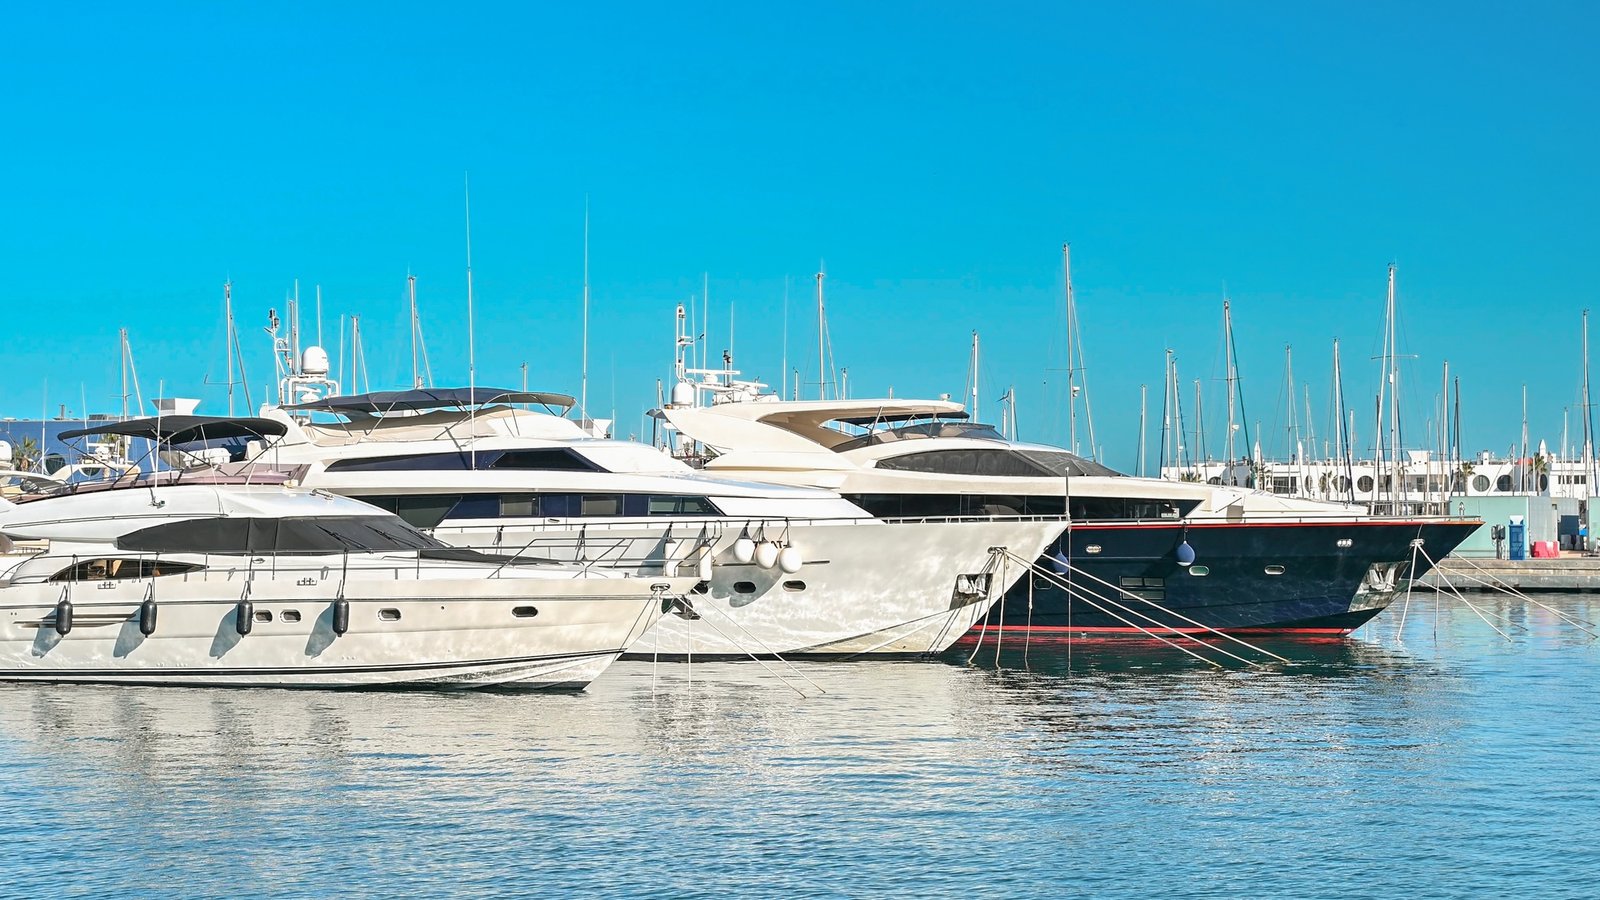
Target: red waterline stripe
(982,631)
(1338,523)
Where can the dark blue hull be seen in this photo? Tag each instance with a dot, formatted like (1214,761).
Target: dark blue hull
(1307,578)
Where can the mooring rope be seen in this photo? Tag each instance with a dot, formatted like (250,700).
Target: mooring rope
(764,648)
(1177,615)
(1136,626)
(1079,591)
(1406,609)
(758,659)
(1465,601)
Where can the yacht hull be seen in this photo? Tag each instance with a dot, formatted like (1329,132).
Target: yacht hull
(432,638)
(864,586)
(1309,578)
(886,589)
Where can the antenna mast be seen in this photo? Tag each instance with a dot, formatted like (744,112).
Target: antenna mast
(974,411)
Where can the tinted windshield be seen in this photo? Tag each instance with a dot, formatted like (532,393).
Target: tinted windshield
(300,534)
(996,462)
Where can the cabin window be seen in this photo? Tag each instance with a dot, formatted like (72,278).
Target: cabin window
(1199,570)
(389,614)
(1503,483)
(113,569)
(1274,570)
(745,587)
(524,612)
(290,615)
(794,586)
(555,459)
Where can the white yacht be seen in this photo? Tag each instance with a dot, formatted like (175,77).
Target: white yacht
(780,570)
(1204,555)
(175,579)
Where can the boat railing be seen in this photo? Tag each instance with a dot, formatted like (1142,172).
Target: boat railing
(313,569)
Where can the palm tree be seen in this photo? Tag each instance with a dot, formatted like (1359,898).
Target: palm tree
(26,454)
(1541,472)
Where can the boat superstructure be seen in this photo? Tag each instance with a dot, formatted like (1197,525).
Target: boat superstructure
(780,570)
(208,580)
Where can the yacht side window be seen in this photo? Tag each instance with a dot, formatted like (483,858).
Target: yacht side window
(113,569)
(669,505)
(602,505)
(524,505)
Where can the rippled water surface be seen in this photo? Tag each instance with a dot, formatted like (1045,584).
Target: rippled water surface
(1435,760)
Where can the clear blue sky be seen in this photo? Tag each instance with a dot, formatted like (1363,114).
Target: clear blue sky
(935,156)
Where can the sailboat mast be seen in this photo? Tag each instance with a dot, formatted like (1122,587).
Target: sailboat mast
(1447,483)
(583,380)
(822,325)
(1072,368)
(1143,389)
(122,341)
(1232,375)
(784,371)
(1167,410)
(227,315)
(411,293)
(472,359)
(1588,414)
(1394,393)
(1345,437)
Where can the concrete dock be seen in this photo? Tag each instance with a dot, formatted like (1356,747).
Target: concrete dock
(1567,573)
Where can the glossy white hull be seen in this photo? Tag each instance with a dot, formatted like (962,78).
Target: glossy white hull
(865,586)
(446,633)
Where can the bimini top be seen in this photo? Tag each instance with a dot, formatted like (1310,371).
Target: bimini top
(379,402)
(184,429)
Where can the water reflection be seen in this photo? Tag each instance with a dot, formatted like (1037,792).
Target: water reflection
(1120,767)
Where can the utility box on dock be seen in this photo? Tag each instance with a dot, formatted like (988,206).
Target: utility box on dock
(1517,539)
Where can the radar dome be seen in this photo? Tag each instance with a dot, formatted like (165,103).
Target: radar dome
(314,361)
(683,394)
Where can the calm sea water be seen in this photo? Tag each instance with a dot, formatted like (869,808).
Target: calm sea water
(1441,760)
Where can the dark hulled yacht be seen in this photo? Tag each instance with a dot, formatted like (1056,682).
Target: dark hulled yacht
(1203,556)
